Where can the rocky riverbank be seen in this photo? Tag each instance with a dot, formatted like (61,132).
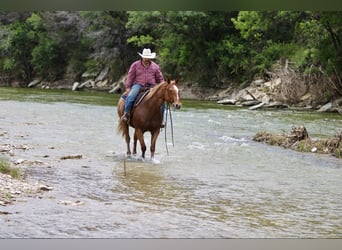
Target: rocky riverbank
(12,189)
(16,187)
(278,93)
(282,90)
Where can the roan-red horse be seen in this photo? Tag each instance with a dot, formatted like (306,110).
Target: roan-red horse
(147,116)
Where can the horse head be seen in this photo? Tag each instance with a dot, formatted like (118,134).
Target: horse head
(172,94)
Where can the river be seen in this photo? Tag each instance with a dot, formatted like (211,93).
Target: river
(215,182)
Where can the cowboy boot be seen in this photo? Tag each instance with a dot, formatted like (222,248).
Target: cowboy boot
(125,117)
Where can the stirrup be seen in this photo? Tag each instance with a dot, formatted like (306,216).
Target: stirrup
(125,117)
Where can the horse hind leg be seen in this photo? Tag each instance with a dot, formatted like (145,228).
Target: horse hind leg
(127,139)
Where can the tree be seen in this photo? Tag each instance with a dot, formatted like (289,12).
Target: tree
(18,40)
(183,39)
(106,35)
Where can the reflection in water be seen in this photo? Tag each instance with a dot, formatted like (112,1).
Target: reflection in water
(143,183)
(147,183)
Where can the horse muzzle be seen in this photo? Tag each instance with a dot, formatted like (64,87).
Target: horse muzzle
(177,105)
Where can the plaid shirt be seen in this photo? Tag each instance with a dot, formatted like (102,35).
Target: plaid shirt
(139,74)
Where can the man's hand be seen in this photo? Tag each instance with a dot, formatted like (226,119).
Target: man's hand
(127,91)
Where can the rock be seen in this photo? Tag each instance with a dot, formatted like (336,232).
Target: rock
(256,106)
(325,108)
(71,157)
(3,133)
(75,86)
(227,101)
(88,75)
(266,99)
(276,105)
(102,84)
(119,86)
(19,161)
(45,188)
(102,75)
(250,103)
(224,93)
(116,89)
(33,83)
(306,97)
(273,84)
(213,98)
(87,84)
(71,203)
(259,82)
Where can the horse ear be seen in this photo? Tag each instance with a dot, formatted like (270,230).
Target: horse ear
(177,80)
(168,80)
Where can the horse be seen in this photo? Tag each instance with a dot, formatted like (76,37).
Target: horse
(147,115)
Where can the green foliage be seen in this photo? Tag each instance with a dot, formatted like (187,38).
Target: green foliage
(183,39)
(140,41)
(250,24)
(35,21)
(16,57)
(8,64)
(79,59)
(90,66)
(211,48)
(230,56)
(47,59)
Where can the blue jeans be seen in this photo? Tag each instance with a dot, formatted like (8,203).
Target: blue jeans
(131,97)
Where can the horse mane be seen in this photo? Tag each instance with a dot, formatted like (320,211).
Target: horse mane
(155,89)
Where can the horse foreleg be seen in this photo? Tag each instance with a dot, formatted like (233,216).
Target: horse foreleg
(135,143)
(153,142)
(140,137)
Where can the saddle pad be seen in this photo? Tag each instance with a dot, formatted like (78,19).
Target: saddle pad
(139,97)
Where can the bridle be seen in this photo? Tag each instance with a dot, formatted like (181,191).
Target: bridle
(169,93)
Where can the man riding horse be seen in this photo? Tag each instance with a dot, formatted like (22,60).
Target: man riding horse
(142,73)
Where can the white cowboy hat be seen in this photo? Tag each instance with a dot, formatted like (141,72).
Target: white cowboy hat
(147,54)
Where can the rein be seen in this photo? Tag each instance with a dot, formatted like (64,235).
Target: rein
(168,110)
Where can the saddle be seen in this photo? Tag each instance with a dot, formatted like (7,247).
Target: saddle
(143,92)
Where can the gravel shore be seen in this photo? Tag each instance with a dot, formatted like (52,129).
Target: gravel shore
(11,189)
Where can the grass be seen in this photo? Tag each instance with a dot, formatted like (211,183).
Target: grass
(5,168)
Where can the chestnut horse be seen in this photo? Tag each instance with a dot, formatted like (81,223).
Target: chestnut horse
(147,116)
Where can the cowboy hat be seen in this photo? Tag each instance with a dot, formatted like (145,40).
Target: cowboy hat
(146,53)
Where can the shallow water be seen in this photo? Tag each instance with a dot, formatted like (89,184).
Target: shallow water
(215,183)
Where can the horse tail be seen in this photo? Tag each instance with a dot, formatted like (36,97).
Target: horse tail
(122,127)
